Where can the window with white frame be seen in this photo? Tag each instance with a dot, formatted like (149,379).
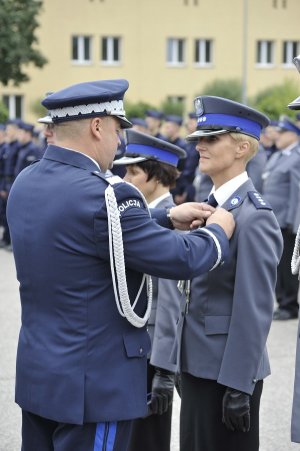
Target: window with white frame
(14,104)
(175,51)
(265,53)
(203,52)
(110,50)
(81,49)
(290,50)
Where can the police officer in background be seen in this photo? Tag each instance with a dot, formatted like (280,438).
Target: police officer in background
(83,245)
(228,312)
(151,166)
(154,121)
(10,157)
(28,151)
(281,180)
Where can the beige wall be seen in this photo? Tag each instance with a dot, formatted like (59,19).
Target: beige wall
(144,26)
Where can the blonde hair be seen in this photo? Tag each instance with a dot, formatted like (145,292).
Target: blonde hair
(253,143)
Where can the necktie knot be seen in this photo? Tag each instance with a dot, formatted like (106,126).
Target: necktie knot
(212,201)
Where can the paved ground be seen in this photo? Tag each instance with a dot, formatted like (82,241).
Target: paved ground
(276,399)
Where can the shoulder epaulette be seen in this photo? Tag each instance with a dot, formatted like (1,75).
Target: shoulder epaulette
(258,201)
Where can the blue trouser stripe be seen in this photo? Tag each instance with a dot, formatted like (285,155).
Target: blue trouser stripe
(105,436)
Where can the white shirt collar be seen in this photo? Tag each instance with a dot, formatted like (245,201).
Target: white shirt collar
(155,202)
(223,193)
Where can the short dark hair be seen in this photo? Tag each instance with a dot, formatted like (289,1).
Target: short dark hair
(164,173)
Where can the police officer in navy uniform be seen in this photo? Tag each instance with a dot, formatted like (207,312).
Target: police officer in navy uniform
(228,312)
(10,156)
(84,244)
(154,119)
(151,166)
(28,151)
(281,180)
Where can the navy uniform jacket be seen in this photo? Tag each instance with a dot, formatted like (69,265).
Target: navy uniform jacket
(230,311)
(165,312)
(78,359)
(295,429)
(26,155)
(10,159)
(281,185)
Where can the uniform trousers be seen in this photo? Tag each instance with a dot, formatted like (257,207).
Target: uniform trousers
(287,283)
(201,427)
(152,433)
(41,434)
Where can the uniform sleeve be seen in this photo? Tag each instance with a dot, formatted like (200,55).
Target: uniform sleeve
(259,252)
(167,314)
(152,249)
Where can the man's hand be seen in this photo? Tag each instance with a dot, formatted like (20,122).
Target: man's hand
(3,195)
(162,391)
(224,219)
(190,215)
(236,410)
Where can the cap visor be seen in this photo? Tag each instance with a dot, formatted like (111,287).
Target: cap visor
(205,132)
(129,160)
(295,104)
(45,120)
(125,123)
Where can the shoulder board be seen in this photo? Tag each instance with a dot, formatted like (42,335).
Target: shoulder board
(258,201)
(110,179)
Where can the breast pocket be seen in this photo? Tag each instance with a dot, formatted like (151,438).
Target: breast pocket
(214,325)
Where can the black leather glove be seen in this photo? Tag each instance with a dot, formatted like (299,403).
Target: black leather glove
(162,391)
(236,410)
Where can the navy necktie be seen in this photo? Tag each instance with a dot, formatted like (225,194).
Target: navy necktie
(212,201)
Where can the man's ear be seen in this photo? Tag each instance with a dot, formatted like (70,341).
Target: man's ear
(95,126)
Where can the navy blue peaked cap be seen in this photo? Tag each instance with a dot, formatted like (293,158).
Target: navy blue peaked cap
(154,113)
(142,147)
(89,99)
(27,127)
(286,124)
(174,118)
(138,121)
(217,115)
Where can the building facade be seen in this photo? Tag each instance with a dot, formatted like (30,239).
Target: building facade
(165,48)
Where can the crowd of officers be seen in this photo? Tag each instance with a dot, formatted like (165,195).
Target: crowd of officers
(275,172)
(21,143)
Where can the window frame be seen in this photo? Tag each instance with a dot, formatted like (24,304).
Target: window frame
(263,51)
(202,49)
(81,50)
(110,46)
(174,50)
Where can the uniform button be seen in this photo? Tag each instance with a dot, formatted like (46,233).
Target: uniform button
(254,381)
(141,350)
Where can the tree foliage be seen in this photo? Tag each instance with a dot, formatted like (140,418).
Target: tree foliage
(230,89)
(3,113)
(273,101)
(18,23)
(137,109)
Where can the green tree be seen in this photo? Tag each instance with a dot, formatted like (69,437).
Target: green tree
(137,109)
(273,101)
(18,24)
(169,106)
(3,113)
(230,89)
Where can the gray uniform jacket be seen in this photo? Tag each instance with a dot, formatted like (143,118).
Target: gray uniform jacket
(230,311)
(281,185)
(256,166)
(164,314)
